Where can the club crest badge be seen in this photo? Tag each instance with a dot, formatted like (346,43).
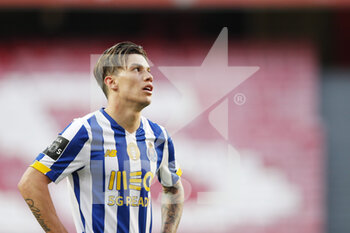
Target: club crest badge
(151,152)
(133,151)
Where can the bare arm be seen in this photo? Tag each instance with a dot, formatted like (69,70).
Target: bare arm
(172,205)
(34,189)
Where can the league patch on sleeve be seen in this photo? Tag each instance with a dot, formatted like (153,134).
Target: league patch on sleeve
(57,147)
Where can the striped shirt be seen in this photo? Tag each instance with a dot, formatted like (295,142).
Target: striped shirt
(110,170)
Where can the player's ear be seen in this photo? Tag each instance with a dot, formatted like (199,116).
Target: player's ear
(111,82)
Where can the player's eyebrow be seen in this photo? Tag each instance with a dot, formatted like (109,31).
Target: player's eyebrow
(139,65)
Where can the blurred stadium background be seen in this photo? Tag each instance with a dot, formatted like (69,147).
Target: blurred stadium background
(278,162)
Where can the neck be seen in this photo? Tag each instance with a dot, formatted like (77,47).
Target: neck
(126,116)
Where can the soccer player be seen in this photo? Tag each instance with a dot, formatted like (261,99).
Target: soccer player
(110,157)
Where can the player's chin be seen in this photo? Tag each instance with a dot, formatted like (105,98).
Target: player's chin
(146,102)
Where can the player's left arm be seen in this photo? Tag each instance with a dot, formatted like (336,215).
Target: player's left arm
(172,206)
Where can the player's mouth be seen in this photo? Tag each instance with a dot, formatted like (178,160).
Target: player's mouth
(148,88)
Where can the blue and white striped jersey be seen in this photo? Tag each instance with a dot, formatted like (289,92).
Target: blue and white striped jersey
(110,170)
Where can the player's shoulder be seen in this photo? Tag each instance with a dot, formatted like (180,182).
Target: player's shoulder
(88,116)
(82,121)
(156,128)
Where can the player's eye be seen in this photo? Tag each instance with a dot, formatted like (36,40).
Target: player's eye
(137,69)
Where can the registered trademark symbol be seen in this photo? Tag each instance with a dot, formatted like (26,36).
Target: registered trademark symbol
(239,99)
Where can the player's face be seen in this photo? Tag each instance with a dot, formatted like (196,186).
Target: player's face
(135,82)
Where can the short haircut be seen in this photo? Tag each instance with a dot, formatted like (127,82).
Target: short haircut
(113,59)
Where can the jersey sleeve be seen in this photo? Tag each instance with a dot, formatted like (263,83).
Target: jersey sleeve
(169,171)
(66,154)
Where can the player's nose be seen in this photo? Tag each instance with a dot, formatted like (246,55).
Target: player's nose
(148,77)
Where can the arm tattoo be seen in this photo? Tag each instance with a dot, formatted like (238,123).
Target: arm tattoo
(172,205)
(37,214)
